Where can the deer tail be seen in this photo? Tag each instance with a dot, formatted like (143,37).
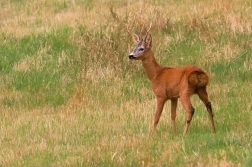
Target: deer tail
(198,78)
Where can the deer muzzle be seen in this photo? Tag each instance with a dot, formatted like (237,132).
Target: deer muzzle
(131,57)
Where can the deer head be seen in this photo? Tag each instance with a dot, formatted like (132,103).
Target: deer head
(144,44)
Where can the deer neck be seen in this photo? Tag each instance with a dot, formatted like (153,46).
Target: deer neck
(151,67)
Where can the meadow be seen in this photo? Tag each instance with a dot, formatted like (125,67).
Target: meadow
(69,96)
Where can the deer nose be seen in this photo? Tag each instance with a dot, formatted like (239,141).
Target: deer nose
(131,57)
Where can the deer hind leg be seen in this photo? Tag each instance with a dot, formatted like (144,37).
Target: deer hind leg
(159,109)
(204,98)
(185,100)
(174,103)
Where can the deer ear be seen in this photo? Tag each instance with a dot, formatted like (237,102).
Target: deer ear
(148,40)
(135,38)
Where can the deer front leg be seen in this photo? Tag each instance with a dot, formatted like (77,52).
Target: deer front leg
(174,103)
(159,109)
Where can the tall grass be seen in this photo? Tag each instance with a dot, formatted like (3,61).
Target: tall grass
(70,97)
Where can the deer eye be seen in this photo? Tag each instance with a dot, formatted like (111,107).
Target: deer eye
(141,49)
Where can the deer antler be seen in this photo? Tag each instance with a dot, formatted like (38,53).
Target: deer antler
(142,31)
(147,33)
(149,29)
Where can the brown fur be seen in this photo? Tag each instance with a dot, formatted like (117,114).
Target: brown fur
(198,78)
(172,83)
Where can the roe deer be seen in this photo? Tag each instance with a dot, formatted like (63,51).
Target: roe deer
(172,83)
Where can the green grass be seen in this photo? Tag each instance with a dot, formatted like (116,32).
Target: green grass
(39,66)
(70,97)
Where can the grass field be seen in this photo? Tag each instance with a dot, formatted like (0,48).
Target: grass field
(69,96)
